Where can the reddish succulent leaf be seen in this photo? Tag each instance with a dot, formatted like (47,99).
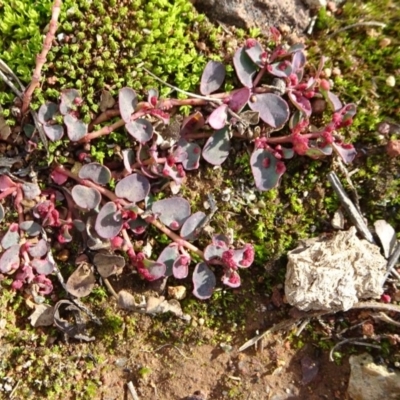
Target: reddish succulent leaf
(212,78)
(31,190)
(168,256)
(315,152)
(134,187)
(189,228)
(140,129)
(255,52)
(266,168)
(6,183)
(152,96)
(46,114)
(238,99)
(127,101)
(231,278)
(300,102)
(108,264)
(39,249)
(215,250)
(218,118)
(11,238)
(244,67)
(129,158)
(180,267)
(138,225)
(204,281)
(217,147)
(58,177)
(192,123)
(298,60)
(86,197)
(43,267)
(281,69)
(348,111)
(160,114)
(82,281)
(9,261)
(155,269)
(192,154)
(76,129)
(69,100)
(172,212)
(346,151)
(173,173)
(54,132)
(109,221)
(272,108)
(95,172)
(31,228)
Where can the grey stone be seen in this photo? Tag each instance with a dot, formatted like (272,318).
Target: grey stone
(369,381)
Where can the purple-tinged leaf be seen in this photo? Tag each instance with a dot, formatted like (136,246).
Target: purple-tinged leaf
(296,118)
(256,52)
(58,177)
(76,129)
(95,172)
(31,190)
(295,48)
(134,187)
(11,238)
(138,225)
(109,221)
(217,147)
(231,278)
(6,183)
(168,256)
(108,264)
(180,267)
(82,281)
(238,99)
(189,230)
(221,241)
(174,173)
(79,225)
(155,269)
(54,132)
(301,102)
(266,168)
(31,228)
(204,281)
(1,213)
(152,97)
(272,108)
(193,153)
(9,261)
(39,249)
(129,158)
(244,67)
(86,197)
(215,250)
(346,151)
(172,212)
(348,111)
(127,101)
(309,369)
(140,129)
(218,118)
(287,153)
(281,69)
(298,61)
(43,267)
(192,123)
(70,98)
(243,257)
(212,78)
(160,114)
(316,152)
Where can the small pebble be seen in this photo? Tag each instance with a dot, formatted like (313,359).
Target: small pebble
(384,43)
(201,321)
(391,81)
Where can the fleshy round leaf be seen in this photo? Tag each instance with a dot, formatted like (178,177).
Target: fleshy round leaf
(217,147)
(238,99)
(76,129)
(134,188)
(6,183)
(267,169)
(204,281)
(108,264)
(301,102)
(31,228)
(272,108)
(255,52)
(86,197)
(281,69)
(138,225)
(109,221)
(47,112)
(180,267)
(192,123)
(189,228)
(155,269)
(9,261)
(69,98)
(39,249)
(244,67)
(127,101)
(298,60)
(348,111)
(315,152)
(54,132)
(172,212)
(346,151)
(43,267)
(95,172)
(218,117)
(11,238)
(141,129)
(231,278)
(168,256)
(192,154)
(212,78)
(333,100)
(81,282)
(129,158)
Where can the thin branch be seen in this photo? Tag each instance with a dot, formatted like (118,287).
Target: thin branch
(392,261)
(355,216)
(352,341)
(358,24)
(132,391)
(41,58)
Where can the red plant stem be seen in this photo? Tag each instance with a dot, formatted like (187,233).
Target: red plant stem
(105,116)
(7,192)
(259,76)
(41,58)
(18,198)
(172,235)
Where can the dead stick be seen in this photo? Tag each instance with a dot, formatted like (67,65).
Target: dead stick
(354,215)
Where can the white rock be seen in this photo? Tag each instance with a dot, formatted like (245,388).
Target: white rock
(369,381)
(335,273)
